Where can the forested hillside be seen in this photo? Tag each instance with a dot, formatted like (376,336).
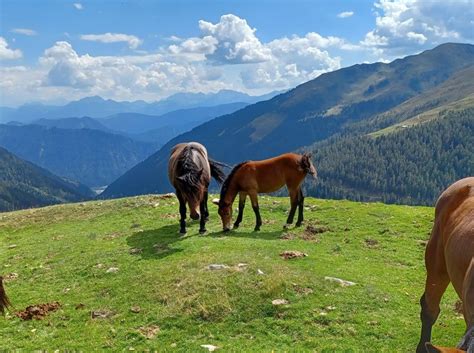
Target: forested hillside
(409,166)
(24,185)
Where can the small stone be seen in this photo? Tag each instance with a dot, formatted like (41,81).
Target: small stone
(341,282)
(134,251)
(149,332)
(291,254)
(135,309)
(214,267)
(112,270)
(12,246)
(280,302)
(209,347)
(102,314)
(260,272)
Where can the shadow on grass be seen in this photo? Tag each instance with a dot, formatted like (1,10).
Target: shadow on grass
(158,243)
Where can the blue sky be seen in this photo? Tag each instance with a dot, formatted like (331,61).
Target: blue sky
(55,51)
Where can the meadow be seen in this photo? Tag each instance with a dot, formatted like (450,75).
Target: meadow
(126,280)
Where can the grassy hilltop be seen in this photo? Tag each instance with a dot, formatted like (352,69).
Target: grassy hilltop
(68,254)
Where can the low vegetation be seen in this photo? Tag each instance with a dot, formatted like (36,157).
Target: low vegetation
(125,280)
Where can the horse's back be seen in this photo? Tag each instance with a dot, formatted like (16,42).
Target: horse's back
(454,224)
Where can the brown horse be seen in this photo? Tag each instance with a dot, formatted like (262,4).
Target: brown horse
(449,257)
(190,171)
(254,177)
(4,302)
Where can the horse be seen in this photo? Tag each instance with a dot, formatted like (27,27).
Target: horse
(190,171)
(4,302)
(254,177)
(449,257)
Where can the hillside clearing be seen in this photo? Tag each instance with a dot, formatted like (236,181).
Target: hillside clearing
(126,280)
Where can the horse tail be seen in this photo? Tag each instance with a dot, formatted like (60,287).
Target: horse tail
(216,171)
(4,302)
(307,165)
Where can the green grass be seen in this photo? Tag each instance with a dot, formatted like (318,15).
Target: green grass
(62,254)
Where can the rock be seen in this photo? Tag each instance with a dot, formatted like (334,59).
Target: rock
(341,282)
(291,254)
(214,267)
(260,272)
(134,251)
(169,195)
(102,314)
(149,332)
(11,276)
(112,270)
(209,347)
(280,302)
(135,309)
(12,246)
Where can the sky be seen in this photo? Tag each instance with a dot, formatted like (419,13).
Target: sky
(57,51)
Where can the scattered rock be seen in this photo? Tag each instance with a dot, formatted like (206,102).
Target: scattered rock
(134,251)
(11,276)
(149,332)
(99,266)
(112,270)
(215,201)
(341,282)
(66,290)
(302,290)
(291,254)
(209,347)
(260,272)
(277,302)
(102,314)
(12,246)
(316,229)
(38,312)
(135,309)
(214,267)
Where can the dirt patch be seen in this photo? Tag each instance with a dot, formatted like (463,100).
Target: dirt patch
(313,229)
(102,314)
(302,290)
(38,312)
(371,243)
(292,254)
(11,276)
(149,332)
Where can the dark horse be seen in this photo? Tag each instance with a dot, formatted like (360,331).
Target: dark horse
(254,177)
(449,257)
(4,302)
(190,171)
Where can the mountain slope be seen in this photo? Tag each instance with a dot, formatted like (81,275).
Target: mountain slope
(25,185)
(311,112)
(93,157)
(72,123)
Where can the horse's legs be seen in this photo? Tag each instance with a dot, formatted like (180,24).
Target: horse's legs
(242,197)
(254,199)
(204,214)
(206,210)
(437,281)
(182,212)
(294,203)
(300,208)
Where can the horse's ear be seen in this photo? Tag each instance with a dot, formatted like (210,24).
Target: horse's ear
(216,201)
(432,349)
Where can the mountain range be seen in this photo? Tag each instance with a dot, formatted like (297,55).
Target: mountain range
(356,100)
(97,107)
(25,185)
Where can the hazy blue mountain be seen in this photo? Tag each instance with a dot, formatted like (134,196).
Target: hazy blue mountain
(92,157)
(25,185)
(72,123)
(312,112)
(97,107)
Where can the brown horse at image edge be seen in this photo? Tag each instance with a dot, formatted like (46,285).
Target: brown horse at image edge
(253,177)
(449,257)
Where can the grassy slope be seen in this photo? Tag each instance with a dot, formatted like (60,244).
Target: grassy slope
(58,249)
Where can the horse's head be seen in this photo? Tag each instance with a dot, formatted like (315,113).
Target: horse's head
(225,212)
(308,166)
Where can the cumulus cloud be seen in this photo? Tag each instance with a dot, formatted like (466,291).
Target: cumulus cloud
(78,6)
(24,31)
(6,53)
(402,25)
(345,14)
(132,41)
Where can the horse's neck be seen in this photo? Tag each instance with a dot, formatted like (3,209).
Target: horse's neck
(231,193)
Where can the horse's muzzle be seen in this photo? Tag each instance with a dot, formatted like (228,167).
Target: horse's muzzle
(194,216)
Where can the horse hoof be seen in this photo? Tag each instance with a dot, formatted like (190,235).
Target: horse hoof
(257,229)
(287,226)
(182,231)
(298,224)
(236,226)
(226,230)
(202,231)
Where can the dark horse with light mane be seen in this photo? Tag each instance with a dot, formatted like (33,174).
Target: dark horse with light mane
(254,177)
(4,302)
(449,257)
(190,171)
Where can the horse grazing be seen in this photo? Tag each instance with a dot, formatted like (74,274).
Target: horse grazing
(190,171)
(254,177)
(449,257)
(4,302)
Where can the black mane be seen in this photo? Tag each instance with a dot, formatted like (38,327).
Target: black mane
(225,185)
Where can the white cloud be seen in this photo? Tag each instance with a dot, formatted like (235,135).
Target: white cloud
(132,41)
(402,26)
(345,14)
(78,6)
(6,53)
(24,31)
